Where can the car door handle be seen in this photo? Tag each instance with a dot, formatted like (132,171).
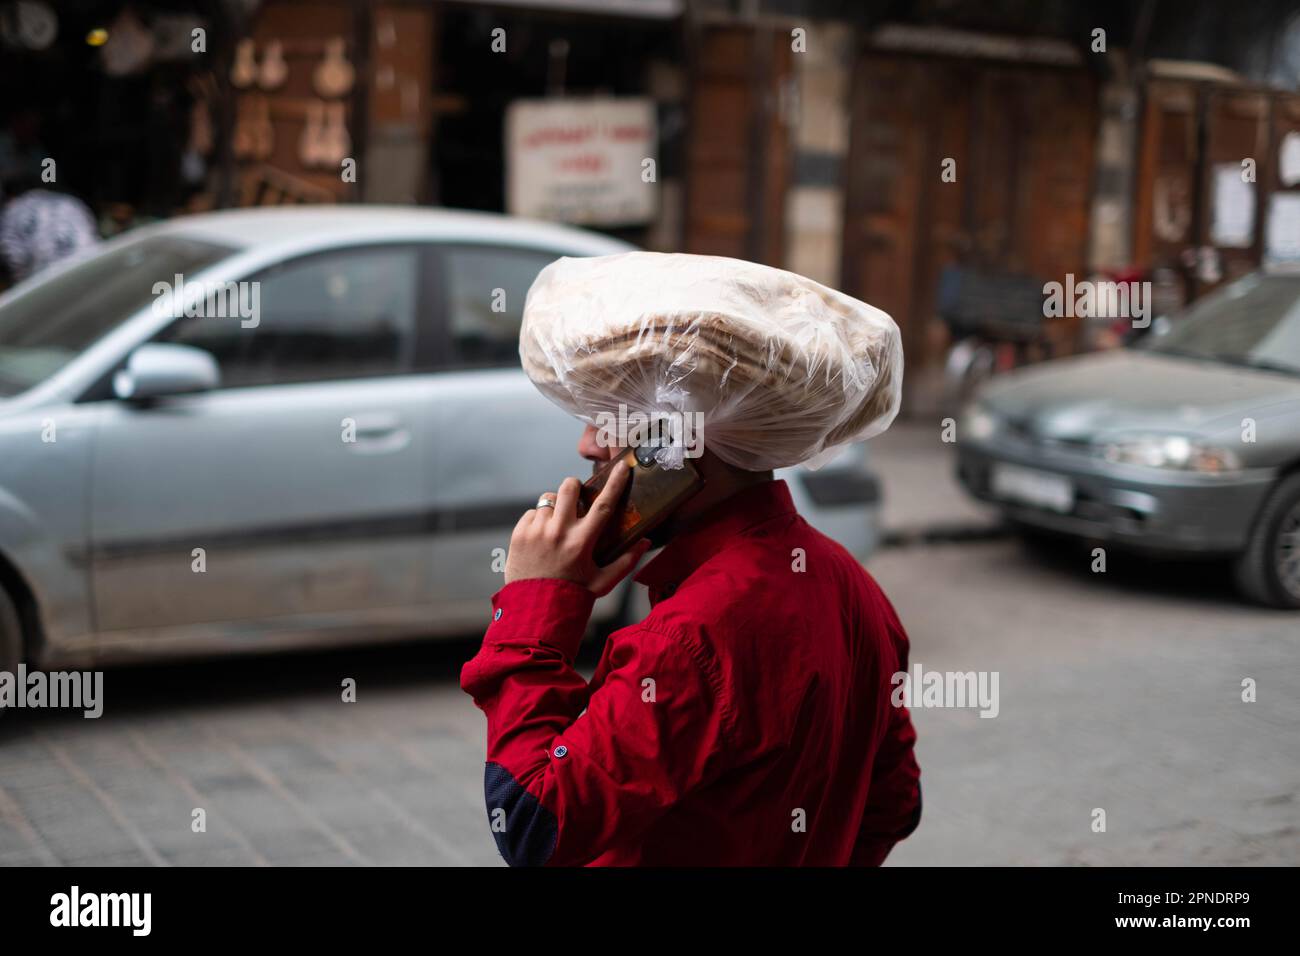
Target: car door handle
(380,434)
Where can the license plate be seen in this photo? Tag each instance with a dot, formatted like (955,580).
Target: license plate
(1028,486)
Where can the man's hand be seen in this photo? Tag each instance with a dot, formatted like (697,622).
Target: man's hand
(556,543)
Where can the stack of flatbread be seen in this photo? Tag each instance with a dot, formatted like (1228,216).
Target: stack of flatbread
(781,369)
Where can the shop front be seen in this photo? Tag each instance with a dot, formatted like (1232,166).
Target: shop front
(1219,178)
(118,104)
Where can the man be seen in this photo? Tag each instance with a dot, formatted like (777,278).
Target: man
(746,720)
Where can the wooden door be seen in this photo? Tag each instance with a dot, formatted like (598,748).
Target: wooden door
(738,154)
(1196,142)
(1017,145)
(890,154)
(1236,132)
(1282,185)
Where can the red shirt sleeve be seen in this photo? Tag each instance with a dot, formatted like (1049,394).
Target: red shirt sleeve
(563,785)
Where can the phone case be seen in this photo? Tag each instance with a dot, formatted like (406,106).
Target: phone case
(651,495)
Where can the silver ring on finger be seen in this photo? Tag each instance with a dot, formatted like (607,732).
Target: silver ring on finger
(545,501)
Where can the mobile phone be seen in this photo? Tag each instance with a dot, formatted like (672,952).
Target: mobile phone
(651,494)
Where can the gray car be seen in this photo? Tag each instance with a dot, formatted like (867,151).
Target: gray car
(1186,442)
(265,429)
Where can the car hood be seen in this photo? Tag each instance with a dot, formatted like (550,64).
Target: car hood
(1129,390)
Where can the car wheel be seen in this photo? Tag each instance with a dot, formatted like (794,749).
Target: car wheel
(11,636)
(1268,571)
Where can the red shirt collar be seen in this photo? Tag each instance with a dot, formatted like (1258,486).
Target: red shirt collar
(712,530)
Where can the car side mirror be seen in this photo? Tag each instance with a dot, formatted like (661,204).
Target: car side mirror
(160,369)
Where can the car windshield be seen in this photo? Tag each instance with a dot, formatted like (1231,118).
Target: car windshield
(49,324)
(1254,321)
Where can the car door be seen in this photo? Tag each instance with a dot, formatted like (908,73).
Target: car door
(510,444)
(292,498)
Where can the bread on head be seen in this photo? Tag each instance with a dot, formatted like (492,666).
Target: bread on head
(781,368)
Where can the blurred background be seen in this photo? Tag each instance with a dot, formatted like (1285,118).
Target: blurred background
(1085,136)
(944,160)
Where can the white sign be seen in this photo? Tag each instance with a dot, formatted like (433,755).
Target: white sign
(584,161)
(1233,226)
(1288,159)
(1282,243)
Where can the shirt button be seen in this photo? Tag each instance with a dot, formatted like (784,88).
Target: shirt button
(497,615)
(561,750)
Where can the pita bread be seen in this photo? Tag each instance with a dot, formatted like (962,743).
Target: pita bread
(783,370)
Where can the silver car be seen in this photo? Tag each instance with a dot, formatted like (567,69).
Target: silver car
(272,428)
(1187,442)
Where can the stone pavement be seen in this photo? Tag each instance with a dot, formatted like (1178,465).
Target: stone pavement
(1119,691)
(286,772)
(922,498)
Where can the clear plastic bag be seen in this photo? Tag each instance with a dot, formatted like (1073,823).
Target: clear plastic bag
(776,368)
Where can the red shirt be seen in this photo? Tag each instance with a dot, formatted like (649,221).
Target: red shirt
(746,721)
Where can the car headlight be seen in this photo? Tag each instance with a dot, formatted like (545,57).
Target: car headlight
(978,423)
(1170,451)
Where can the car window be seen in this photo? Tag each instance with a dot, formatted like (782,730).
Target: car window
(486,288)
(50,323)
(1254,321)
(350,313)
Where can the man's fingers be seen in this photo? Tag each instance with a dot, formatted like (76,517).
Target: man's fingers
(618,479)
(542,513)
(603,506)
(566,500)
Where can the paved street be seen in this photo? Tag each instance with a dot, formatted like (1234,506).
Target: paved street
(922,497)
(1119,691)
